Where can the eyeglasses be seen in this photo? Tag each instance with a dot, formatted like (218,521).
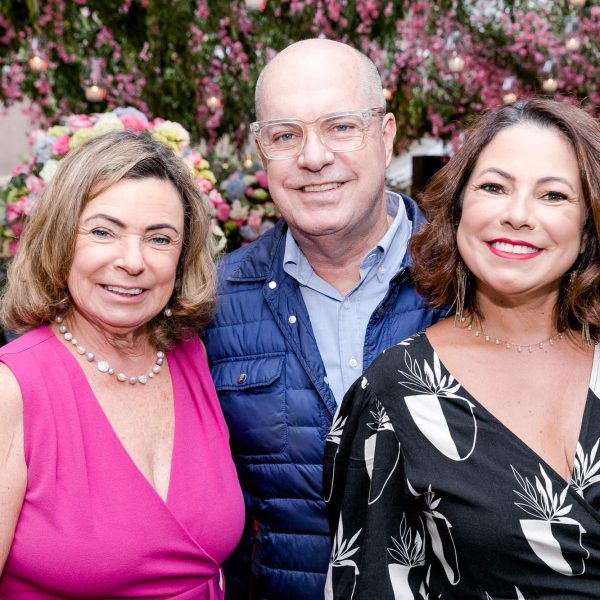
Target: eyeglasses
(339,132)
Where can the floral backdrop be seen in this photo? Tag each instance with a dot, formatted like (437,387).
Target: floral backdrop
(84,66)
(241,205)
(196,61)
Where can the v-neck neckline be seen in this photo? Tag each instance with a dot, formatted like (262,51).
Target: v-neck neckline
(594,374)
(108,425)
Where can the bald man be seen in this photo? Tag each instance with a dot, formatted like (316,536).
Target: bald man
(304,309)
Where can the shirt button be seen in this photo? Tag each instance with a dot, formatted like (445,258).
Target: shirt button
(292,319)
(381,270)
(272,284)
(353,363)
(347,304)
(242,378)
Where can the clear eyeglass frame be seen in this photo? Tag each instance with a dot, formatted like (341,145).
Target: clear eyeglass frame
(258,128)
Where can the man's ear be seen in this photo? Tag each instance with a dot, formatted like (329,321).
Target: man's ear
(389,133)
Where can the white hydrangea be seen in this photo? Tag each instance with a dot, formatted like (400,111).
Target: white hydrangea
(172,134)
(107,122)
(238,211)
(48,170)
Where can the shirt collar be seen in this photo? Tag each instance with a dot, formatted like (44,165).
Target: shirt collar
(296,263)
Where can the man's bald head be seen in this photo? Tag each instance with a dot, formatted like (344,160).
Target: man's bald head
(320,54)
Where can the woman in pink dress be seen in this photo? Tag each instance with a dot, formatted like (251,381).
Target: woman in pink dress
(116,479)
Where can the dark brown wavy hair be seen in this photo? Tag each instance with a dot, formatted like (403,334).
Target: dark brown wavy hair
(434,250)
(37,278)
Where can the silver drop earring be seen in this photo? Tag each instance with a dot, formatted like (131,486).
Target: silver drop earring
(168,312)
(461,290)
(585,333)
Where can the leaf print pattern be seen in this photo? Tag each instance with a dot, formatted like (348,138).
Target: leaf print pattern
(408,551)
(540,501)
(585,470)
(424,589)
(384,438)
(439,530)
(432,382)
(553,537)
(524,532)
(456,442)
(335,433)
(334,436)
(381,419)
(406,342)
(342,550)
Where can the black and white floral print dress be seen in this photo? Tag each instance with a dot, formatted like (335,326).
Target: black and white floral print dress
(429,496)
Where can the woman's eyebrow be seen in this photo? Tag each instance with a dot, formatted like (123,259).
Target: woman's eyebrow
(120,223)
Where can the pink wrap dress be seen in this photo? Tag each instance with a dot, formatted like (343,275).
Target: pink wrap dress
(91,525)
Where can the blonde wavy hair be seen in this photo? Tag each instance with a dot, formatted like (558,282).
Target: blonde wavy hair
(37,290)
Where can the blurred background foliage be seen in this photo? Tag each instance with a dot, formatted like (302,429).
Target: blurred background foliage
(196,61)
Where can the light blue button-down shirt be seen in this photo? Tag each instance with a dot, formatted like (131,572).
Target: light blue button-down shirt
(340,323)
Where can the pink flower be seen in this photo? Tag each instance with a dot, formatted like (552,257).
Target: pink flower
(60,145)
(223,211)
(204,185)
(194,157)
(134,123)
(254,220)
(215,197)
(34,184)
(17,228)
(35,136)
(13,246)
(77,122)
(20,170)
(261,179)
(249,192)
(16,210)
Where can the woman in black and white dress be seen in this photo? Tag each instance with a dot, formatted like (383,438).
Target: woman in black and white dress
(465,462)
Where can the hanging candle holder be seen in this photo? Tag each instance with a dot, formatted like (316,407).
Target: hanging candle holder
(255,5)
(550,82)
(456,63)
(573,40)
(38,60)
(509,96)
(94,89)
(213,102)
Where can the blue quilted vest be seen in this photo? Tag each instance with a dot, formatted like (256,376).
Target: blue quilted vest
(272,385)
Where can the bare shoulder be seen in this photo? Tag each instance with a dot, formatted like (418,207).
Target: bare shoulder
(13,470)
(11,402)
(442,333)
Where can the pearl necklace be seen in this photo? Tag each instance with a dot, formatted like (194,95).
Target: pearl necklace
(511,345)
(102,365)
